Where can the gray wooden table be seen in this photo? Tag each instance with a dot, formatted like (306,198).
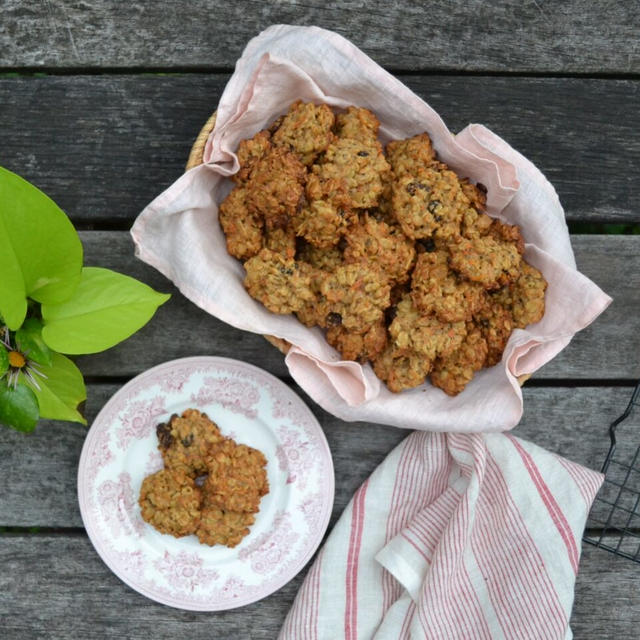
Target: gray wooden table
(99,104)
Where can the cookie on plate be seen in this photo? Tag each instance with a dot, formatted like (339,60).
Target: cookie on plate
(184,441)
(170,501)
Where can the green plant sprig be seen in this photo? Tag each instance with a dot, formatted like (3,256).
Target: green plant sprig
(51,305)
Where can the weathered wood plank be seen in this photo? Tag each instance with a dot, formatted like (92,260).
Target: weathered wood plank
(180,329)
(57,587)
(112,143)
(39,471)
(574,36)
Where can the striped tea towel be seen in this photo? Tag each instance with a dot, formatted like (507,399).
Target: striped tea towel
(465,536)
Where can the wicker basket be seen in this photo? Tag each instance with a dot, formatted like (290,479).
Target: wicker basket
(195,159)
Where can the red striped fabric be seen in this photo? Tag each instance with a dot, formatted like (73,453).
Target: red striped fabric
(459,554)
(550,502)
(584,479)
(522,594)
(353,559)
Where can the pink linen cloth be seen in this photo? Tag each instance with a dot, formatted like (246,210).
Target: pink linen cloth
(457,536)
(179,235)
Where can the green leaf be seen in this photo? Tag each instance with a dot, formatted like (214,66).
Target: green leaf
(61,391)
(18,407)
(4,360)
(106,308)
(40,252)
(29,338)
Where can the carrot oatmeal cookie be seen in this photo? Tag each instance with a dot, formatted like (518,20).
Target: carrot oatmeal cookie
(282,284)
(358,124)
(249,152)
(282,241)
(384,211)
(525,297)
(490,262)
(424,334)
(236,479)
(325,215)
(306,130)
(357,294)
(242,229)
(184,441)
(275,187)
(218,526)
(359,165)
(401,369)
(411,155)
(360,347)
(315,310)
(436,289)
(475,224)
(452,373)
(508,233)
(170,502)
(326,259)
(379,244)
(476,193)
(496,324)
(429,202)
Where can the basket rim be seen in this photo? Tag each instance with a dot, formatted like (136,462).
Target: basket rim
(197,149)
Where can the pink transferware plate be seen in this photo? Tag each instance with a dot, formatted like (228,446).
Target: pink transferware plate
(254,408)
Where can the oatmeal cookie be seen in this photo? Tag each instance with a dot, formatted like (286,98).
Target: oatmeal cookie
(218,526)
(281,284)
(326,259)
(475,224)
(384,211)
(275,188)
(476,193)
(360,347)
(282,241)
(525,297)
(315,310)
(496,325)
(356,296)
(379,244)
(509,233)
(411,155)
(249,152)
(490,262)
(454,372)
(184,441)
(170,501)
(242,229)
(236,479)
(401,369)
(359,165)
(306,130)
(436,289)
(322,223)
(357,123)
(424,334)
(429,202)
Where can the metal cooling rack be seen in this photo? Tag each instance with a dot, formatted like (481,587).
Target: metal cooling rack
(616,509)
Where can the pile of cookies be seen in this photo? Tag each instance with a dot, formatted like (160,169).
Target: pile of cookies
(210,485)
(388,250)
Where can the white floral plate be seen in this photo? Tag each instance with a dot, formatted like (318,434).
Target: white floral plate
(254,408)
